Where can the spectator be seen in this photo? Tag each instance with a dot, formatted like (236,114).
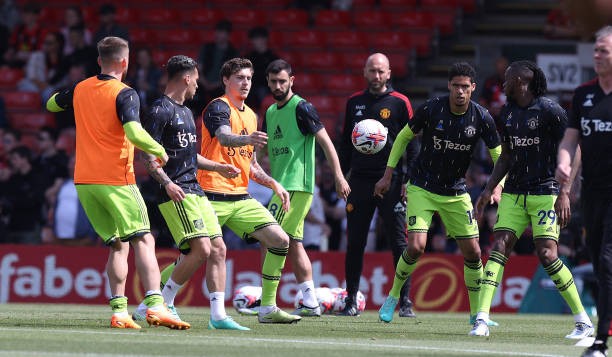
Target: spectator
(73,16)
(26,38)
(144,78)
(83,54)
(24,195)
(492,96)
(316,229)
(108,24)
(45,70)
(53,162)
(333,205)
(65,119)
(10,140)
(559,24)
(261,56)
(9,18)
(211,57)
(70,224)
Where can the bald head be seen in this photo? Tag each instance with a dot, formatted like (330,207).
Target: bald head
(377,73)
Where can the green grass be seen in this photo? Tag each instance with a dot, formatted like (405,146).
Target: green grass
(81,330)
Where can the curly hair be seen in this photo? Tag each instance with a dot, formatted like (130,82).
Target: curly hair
(462,69)
(537,84)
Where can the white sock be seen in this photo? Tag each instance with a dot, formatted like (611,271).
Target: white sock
(170,290)
(308,293)
(217,306)
(266,309)
(121,314)
(482,316)
(583,317)
(142,309)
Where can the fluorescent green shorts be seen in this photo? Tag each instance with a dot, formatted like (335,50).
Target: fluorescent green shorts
(516,211)
(243,216)
(191,218)
(292,222)
(456,212)
(115,211)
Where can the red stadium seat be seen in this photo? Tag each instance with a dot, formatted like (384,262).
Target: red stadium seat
(354,62)
(367,5)
(332,124)
(399,64)
(161,16)
(304,40)
(388,41)
(22,101)
(333,20)
(325,104)
(322,61)
(51,16)
(140,37)
(127,16)
(245,18)
(273,4)
(412,20)
(450,4)
(345,40)
(307,83)
(444,20)
(174,37)
(468,6)
(203,17)
(31,122)
(295,59)
(343,84)
(9,77)
(421,41)
(394,5)
(161,57)
(30,140)
(372,20)
(290,19)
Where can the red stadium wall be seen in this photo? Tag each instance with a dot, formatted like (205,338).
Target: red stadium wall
(76,275)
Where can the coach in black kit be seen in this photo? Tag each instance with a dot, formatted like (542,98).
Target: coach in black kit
(380,102)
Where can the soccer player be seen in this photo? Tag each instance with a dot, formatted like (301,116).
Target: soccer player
(293,125)
(590,125)
(108,126)
(379,101)
(451,127)
(182,202)
(532,127)
(230,136)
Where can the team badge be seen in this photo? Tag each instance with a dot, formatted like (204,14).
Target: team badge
(349,207)
(385,113)
(470,131)
(532,123)
(412,220)
(198,224)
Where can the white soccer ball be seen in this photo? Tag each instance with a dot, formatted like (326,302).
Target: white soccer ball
(369,136)
(246,299)
(340,302)
(325,297)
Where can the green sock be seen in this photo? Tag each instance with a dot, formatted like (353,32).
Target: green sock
(153,300)
(564,282)
(491,277)
(271,274)
(472,273)
(405,267)
(166,274)
(118,303)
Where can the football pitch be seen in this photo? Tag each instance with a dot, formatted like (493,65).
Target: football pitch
(82,330)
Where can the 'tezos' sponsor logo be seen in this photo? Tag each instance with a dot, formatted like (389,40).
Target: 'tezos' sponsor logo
(515,141)
(596,125)
(440,144)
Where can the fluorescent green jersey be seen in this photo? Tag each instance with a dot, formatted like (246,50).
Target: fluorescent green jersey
(291,143)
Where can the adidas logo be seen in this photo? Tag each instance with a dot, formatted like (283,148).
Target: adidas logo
(550,229)
(278,133)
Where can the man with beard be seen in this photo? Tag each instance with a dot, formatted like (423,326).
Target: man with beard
(293,125)
(532,127)
(182,202)
(380,102)
(451,127)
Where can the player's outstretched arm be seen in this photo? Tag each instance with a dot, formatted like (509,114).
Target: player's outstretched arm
(142,140)
(342,187)
(226,138)
(397,150)
(225,170)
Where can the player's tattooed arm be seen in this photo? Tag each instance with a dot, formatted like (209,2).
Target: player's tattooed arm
(259,175)
(226,138)
(154,169)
